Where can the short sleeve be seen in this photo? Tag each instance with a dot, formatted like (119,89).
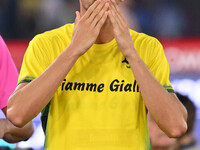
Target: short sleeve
(159,66)
(35,60)
(8,74)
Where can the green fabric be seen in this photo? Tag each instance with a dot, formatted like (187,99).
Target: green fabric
(25,79)
(44,117)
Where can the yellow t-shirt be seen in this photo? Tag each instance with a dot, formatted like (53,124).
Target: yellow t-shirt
(99,104)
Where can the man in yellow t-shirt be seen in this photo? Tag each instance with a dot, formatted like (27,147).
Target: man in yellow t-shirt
(94,82)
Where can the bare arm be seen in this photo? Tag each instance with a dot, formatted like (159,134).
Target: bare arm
(12,134)
(166,109)
(29,99)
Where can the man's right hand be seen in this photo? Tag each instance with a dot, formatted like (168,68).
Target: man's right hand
(88,26)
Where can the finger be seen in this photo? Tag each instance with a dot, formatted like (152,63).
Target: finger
(117,9)
(78,17)
(92,8)
(114,16)
(121,22)
(97,11)
(102,20)
(112,19)
(100,14)
(112,6)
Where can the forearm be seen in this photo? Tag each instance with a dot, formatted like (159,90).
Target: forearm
(27,102)
(165,108)
(12,134)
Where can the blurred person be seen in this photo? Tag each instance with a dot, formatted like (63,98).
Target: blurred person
(94,81)
(9,76)
(188,141)
(160,141)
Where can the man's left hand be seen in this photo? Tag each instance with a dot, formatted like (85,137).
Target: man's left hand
(120,29)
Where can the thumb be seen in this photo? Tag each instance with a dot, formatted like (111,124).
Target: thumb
(78,17)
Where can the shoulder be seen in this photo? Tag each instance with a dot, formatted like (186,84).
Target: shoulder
(59,34)
(147,47)
(144,42)
(142,39)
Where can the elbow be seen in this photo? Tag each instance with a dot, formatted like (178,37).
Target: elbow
(16,120)
(177,132)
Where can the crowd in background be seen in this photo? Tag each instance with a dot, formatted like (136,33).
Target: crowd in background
(161,18)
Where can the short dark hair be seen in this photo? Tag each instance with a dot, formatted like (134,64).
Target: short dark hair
(191,109)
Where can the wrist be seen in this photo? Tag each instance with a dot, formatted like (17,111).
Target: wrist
(130,53)
(132,56)
(77,49)
(73,51)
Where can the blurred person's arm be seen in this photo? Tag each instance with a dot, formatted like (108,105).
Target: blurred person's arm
(165,108)
(12,134)
(9,76)
(29,99)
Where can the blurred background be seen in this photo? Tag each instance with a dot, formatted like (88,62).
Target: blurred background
(175,23)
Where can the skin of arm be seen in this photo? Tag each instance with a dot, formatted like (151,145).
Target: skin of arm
(12,134)
(165,108)
(38,92)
